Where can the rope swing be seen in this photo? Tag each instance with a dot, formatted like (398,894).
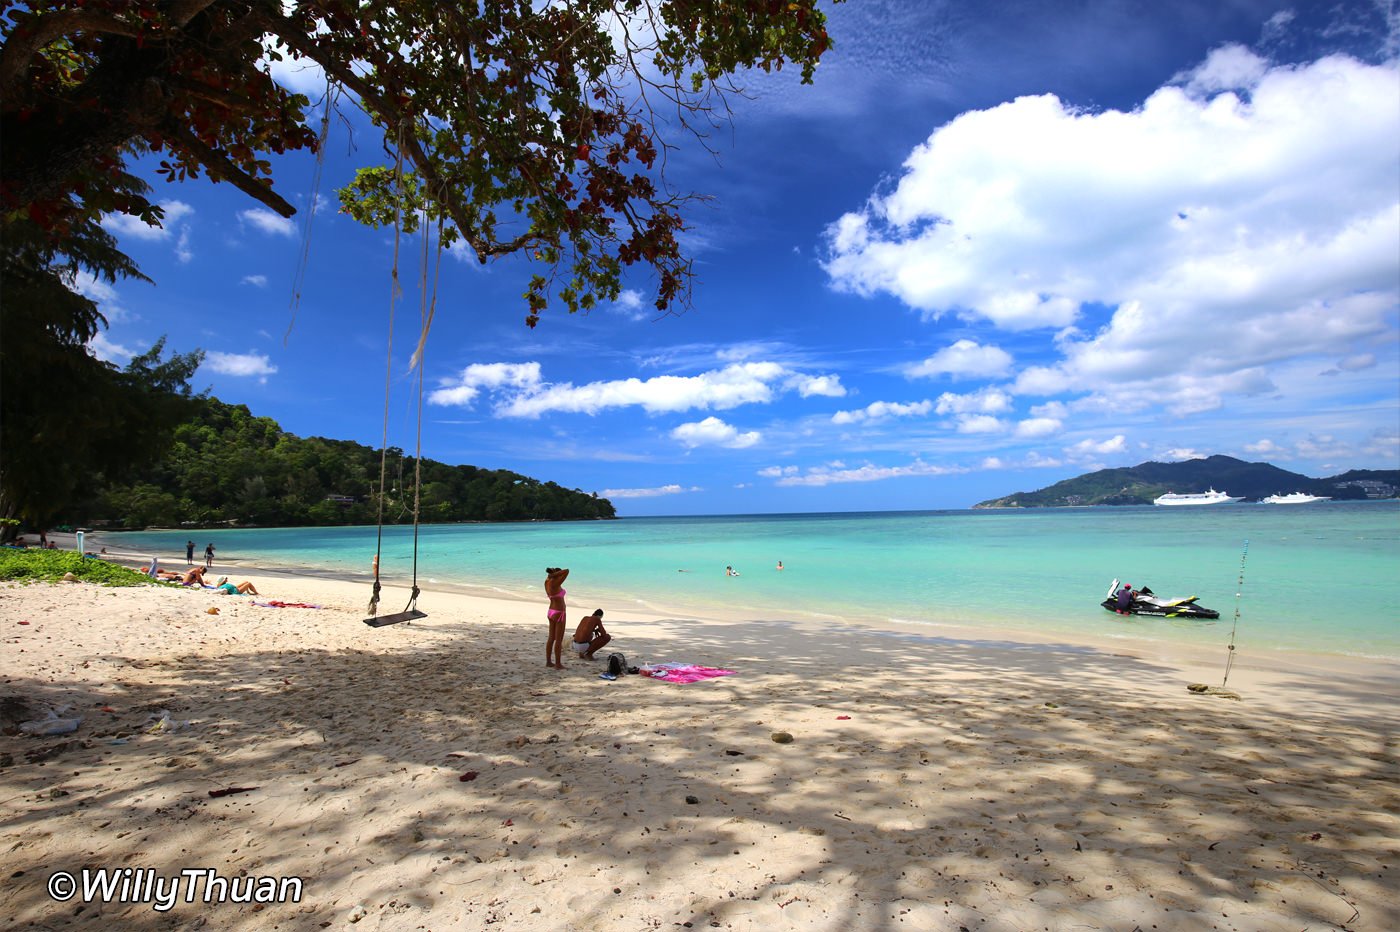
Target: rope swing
(427,308)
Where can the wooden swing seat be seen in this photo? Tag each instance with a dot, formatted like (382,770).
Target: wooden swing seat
(380,621)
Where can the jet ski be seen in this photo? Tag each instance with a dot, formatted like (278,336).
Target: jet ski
(1146,602)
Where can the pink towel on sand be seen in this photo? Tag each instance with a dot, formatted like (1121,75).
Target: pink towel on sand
(689,673)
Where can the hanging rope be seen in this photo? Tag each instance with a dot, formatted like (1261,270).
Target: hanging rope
(1239,588)
(388,369)
(299,277)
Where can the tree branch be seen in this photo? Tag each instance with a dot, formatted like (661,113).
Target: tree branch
(220,166)
(25,42)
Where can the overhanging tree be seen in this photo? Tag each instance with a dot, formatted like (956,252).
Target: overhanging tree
(524,126)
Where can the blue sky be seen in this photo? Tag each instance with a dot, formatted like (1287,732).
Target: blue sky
(994,246)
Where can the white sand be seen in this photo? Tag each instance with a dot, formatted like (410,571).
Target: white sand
(931,784)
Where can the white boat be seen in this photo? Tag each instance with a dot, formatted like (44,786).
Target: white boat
(1295,498)
(1196,498)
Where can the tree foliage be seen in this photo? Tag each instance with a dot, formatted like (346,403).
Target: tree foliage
(521,126)
(65,415)
(228,466)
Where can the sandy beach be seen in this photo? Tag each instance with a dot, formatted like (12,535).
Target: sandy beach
(435,775)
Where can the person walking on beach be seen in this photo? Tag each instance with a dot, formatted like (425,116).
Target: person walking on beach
(209,557)
(556,614)
(189,553)
(590,636)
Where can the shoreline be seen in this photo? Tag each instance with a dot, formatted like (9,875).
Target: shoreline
(436,774)
(1205,664)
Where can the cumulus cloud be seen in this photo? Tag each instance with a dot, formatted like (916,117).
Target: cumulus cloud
(629,304)
(1180,455)
(240,364)
(1038,427)
(1265,447)
(257,281)
(777,472)
(979,424)
(647,493)
(1245,215)
(833,475)
(107,351)
(464,389)
(882,410)
(1087,447)
(982,401)
(963,359)
(714,432)
(521,392)
(268,222)
(128,226)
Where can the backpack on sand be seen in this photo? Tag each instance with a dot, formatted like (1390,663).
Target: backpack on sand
(617,664)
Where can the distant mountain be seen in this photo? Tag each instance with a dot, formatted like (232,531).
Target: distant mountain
(1139,485)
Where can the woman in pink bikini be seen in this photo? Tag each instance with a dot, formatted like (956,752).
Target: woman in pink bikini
(554,588)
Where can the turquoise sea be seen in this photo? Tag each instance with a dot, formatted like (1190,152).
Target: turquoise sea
(1319,579)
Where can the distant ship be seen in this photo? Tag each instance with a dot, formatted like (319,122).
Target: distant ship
(1296,498)
(1196,498)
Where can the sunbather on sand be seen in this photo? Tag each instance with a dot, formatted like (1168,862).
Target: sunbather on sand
(243,588)
(193,577)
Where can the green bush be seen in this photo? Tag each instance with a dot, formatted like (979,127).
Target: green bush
(51,565)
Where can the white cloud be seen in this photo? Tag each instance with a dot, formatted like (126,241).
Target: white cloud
(647,493)
(268,222)
(1229,68)
(1180,455)
(1264,447)
(1244,218)
(821,476)
(982,401)
(1115,444)
(521,392)
(182,245)
(1358,362)
(883,410)
(964,359)
(257,281)
(126,225)
(1038,427)
(827,386)
(107,351)
(979,424)
(240,364)
(464,389)
(629,304)
(714,432)
(776,472)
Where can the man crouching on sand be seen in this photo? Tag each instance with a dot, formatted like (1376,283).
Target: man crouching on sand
(590,636)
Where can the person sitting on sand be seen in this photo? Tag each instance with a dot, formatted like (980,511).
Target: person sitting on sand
(590,637)
(243,588)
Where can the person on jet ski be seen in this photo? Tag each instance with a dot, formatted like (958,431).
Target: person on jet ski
(1124,599)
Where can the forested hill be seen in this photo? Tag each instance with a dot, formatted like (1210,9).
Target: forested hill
(1139,485)
(227,466)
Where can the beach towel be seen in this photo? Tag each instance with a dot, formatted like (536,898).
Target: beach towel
(683,672)
(274,603)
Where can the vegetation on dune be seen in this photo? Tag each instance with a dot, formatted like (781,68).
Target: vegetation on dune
(34,565)
(228,466)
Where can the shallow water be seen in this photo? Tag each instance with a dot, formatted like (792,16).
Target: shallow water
(1318,579)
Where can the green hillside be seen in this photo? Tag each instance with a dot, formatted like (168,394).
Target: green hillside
(228,467)
(1139,485)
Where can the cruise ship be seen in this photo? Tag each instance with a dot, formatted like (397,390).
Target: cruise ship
(1294,498)
(1196,498)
